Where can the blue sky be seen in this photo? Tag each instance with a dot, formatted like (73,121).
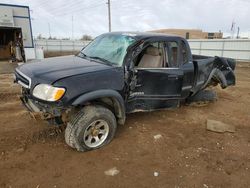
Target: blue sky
(91,17)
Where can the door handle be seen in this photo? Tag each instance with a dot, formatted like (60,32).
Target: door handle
(174,77)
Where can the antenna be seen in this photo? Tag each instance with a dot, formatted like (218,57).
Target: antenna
(233,29)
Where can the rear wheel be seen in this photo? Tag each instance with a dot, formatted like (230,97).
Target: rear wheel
(92,128)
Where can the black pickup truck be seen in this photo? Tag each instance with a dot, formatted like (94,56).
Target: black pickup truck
(117,73)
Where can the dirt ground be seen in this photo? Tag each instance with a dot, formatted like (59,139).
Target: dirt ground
(34,154)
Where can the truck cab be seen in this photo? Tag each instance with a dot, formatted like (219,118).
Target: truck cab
(164,73)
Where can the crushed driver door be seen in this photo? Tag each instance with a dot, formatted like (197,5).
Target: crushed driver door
(155,88)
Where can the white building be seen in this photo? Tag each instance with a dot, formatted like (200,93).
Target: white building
(15,24)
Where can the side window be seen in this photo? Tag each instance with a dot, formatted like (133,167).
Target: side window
(152,56)
(184,53)
(172,51)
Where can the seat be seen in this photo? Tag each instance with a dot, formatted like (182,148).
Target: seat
(151,59)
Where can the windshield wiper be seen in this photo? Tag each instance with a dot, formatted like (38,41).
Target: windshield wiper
(102,60)
(83,54)
(96,58)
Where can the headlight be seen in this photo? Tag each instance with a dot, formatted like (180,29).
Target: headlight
(47,92)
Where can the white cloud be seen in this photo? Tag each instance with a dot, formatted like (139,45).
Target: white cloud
(90,17)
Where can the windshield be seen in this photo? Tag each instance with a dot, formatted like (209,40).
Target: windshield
(109,48)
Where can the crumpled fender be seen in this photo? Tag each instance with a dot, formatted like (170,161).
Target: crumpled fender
(222,72)
(218,75)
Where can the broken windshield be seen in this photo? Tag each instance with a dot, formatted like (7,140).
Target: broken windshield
(110,48)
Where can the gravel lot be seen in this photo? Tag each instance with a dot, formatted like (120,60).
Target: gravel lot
(33,154)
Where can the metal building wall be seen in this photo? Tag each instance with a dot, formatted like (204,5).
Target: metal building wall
(60,45)
(234,48)
(21,17)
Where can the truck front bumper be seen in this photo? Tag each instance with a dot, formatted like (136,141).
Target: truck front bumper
(39,110)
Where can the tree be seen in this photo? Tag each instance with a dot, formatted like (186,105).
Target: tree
(86,37)
(40,37)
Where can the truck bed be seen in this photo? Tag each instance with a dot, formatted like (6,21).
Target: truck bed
(198,57)
(212,71)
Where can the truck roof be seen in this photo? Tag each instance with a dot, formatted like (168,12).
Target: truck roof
(143,35)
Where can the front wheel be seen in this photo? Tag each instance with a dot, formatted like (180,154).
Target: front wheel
(92,128)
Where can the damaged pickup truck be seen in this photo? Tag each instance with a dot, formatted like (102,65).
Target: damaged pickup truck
(116,74)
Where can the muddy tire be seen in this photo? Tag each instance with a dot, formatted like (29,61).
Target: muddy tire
(203,97)
(91,128)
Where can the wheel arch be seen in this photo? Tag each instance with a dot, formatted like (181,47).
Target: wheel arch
(107,98)
(219,76)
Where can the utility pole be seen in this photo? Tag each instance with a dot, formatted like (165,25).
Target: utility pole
(72,27)
(109,15)
(49,31)
(238,33)
(233,29)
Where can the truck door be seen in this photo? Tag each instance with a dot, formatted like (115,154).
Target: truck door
(187,65)
(158,84)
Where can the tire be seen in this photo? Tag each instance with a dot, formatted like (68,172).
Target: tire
(91,128)
(202,97)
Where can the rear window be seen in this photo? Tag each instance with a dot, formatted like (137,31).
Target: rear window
(172,55)
(184,53)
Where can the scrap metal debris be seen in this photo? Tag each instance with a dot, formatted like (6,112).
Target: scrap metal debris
(112,172)
(156,174)
(220,127)
(157,137)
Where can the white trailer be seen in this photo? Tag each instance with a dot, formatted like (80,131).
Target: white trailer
(15,25)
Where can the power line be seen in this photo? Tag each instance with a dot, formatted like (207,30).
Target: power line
(44,2)
(85,9)
(75,8)
(71,6)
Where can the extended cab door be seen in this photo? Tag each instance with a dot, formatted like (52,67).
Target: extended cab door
(158,85)
(187,66)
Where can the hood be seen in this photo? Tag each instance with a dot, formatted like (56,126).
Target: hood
(50,70)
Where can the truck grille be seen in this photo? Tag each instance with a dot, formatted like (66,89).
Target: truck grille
(22,79)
